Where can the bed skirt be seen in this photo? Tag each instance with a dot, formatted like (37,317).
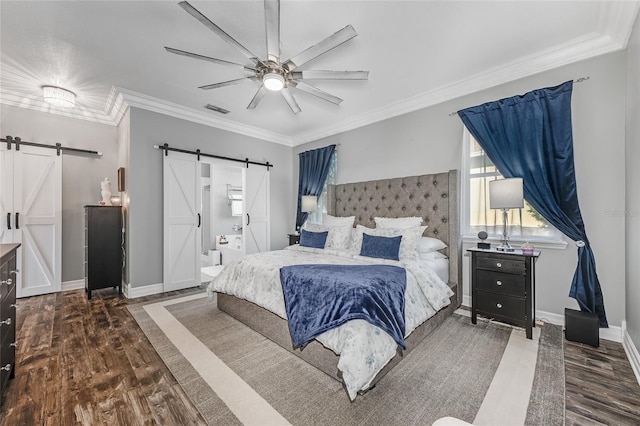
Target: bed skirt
(276,329)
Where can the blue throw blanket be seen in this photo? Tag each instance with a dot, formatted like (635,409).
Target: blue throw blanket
(321,297)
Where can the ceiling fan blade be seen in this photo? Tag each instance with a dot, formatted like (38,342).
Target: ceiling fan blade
(286,94)
(219,31)
(272,26)
(228,83)
(257,98)
(330,75)
(316,92)
(207,58)
(331,42)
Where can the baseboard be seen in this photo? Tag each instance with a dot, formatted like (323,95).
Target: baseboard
(145,290)
(631,351)
(72,285)
(613,333)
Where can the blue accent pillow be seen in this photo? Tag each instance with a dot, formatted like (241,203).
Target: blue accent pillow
(313,239)
(380,247)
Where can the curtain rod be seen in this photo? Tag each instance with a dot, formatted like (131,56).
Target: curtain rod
(577,80)
(166,148)
(58,147)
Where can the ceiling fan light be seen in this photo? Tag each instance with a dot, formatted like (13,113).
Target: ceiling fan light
(58,96)
(273,81)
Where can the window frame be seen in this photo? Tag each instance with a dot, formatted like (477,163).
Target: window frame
(555,240)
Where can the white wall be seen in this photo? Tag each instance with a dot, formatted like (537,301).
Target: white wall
(429,141)
(221,219)
(81,174)
(632,211)
(145,183)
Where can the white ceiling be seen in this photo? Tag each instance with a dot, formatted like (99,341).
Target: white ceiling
(419,53)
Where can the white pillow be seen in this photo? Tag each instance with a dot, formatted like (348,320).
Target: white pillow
(429,244)
(339,237)
(432,255)
(408,244)
(329,220)
(397,222)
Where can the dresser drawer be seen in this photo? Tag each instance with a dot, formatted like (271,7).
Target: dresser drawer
(510,266)
(499,282)
(501,305)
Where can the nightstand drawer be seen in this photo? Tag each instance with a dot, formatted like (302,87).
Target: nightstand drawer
(499,282)
(509,266)
(501,305)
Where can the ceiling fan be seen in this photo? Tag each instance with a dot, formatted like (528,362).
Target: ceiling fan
(273,73)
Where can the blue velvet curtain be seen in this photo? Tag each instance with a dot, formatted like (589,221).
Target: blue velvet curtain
(313,172)
(530,136)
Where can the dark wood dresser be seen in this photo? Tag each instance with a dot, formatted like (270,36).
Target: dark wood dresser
(8,271)
(503,286)
(103,247)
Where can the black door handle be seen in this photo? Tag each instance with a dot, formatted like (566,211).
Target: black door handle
(199,220)
(17,220)
(248,219)
(8,220)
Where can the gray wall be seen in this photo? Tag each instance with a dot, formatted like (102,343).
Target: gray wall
(81,175)
(632,211)
(429,141)
(145,183)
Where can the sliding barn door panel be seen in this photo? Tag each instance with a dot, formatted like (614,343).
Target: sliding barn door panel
(37,218)
(182,221)
(256,206)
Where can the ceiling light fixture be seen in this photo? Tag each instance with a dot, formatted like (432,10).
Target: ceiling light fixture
(58,96)
(273,81)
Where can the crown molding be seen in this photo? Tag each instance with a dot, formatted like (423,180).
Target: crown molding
(8,97)
(617,19)
(582,48)
(138,100)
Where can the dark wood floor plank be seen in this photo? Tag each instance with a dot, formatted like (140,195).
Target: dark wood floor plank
(88,362)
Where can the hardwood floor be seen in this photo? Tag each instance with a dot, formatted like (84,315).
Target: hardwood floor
(87,362)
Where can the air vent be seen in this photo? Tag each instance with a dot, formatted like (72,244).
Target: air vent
(217,109)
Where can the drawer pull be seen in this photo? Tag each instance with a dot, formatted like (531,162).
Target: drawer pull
(499,305)
(6,367)
(7,282)
(6,322)
(499,265)
(498,282)
(14,305)
(14,344)
(15,271)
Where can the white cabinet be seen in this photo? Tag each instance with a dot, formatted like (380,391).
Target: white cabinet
(31,214)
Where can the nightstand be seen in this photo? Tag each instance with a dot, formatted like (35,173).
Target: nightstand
(294,239)
(503,286)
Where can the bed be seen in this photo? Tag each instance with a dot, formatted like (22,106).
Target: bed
(433,197)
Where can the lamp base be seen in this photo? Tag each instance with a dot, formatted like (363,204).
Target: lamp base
(505,246)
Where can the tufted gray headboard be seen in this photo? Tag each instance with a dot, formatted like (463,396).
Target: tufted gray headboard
(433,197)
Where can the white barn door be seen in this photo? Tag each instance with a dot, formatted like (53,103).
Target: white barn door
(37,219)
(182,221)
(256,208)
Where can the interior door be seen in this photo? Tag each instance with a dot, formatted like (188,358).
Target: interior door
(182,221)
(256,208)
(37,221)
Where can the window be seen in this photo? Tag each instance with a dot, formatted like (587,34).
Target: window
(316,217)
(524,224)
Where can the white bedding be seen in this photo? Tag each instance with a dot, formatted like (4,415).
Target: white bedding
(364,349)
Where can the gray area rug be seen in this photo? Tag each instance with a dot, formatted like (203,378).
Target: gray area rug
(448,374)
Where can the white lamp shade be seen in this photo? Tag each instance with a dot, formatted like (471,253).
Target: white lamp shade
(506,194)
(309,203)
